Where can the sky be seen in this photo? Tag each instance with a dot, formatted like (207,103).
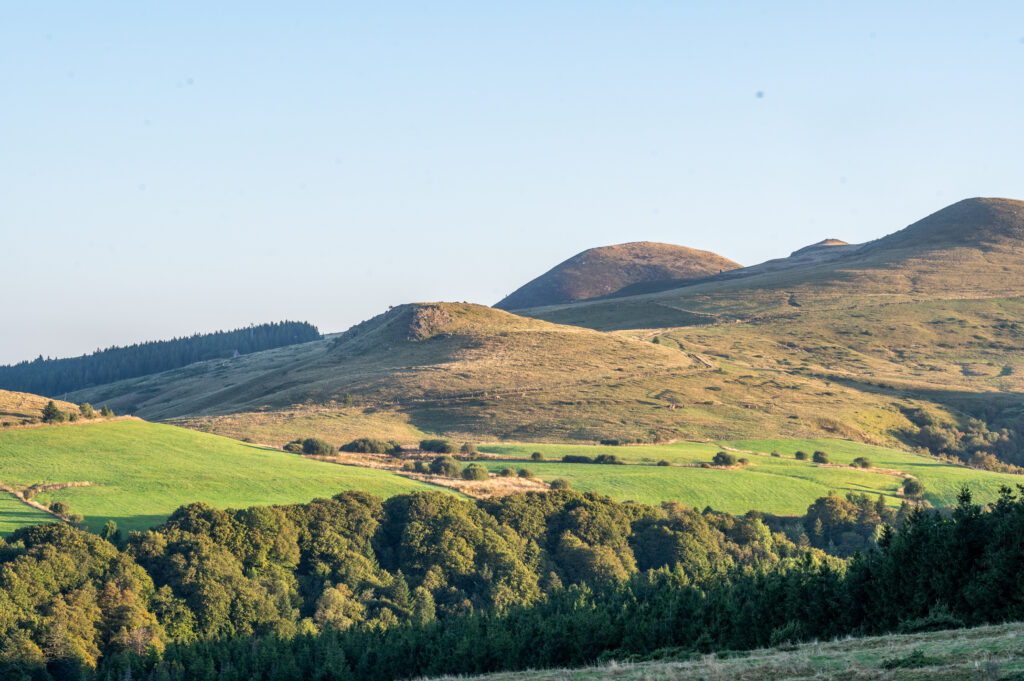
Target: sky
(171,168)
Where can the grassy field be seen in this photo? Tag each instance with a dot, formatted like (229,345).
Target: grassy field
(143,471)
(781,485)
(15,514)
(989,653)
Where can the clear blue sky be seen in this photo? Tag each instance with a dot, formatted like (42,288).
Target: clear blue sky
(168,168)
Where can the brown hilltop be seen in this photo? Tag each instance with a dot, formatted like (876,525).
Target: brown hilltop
(603,271)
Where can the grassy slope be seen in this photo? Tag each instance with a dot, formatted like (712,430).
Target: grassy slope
(22,408)
(990,653)
(144,471)
(15,514)
(782,485)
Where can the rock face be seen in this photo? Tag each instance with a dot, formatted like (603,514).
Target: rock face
(604,271)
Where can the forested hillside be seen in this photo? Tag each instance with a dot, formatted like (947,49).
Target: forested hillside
(57,376)
(357,587)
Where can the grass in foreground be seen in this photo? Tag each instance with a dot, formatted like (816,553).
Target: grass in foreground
(143,471)
(990,653)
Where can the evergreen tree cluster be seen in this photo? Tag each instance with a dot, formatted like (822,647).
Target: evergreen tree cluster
(58,376)
(426,584)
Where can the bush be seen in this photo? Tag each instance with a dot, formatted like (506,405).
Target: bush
(913,488)
(610,443)
(295,447)
(862,462)
(51,414)
(800,456)
(86,410)
(507,473)
(820,457)
(106,412)
(724,459)
(743,462)
(410,466)
(777,456)
(474,471)
(537,456)
(560,483)
(576,458)
(446,466)
(369,445)
(422,467)
(60,507)
(437,446)
(664,463)
(609,459)
(314,445)
(469,449)
(526,473)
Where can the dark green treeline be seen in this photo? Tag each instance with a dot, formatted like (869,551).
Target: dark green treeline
(54,377)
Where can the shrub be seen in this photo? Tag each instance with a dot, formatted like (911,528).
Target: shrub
(468,449)
(610,459)
(776,455)
(410,466)
(724,459)
(474,471)
(51,414)
(526,473)
(610,443)
(800,456)
(446,466)
(437,446)
(86,410)
(60,507)
(314,445)
(576,458)
(743,462)
(295,447)
(507,473)
(913,488)
(369,445)
(106,412)
(422,467)
(560,483)
(537,456)
(820,457)
(664,463)
(862,462)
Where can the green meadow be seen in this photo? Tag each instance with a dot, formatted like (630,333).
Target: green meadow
(142,471)
(781,485)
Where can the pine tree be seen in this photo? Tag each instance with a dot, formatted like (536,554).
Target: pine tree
(51,414)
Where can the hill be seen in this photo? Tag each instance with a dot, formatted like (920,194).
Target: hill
(18,409)
(140,472)
(872,343)
(969,250)
(606,270)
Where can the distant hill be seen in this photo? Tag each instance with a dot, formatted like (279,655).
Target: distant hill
(59,376)
(973,249)
(603,271)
